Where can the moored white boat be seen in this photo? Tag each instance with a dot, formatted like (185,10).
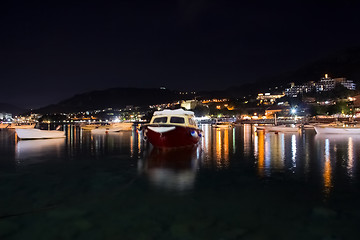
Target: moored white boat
(38,133)
(223,125)
(337,129)
(279,128)
(172,128)
(21,126)
(114,127)
(90,126)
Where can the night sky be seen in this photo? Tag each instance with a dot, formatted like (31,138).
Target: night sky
(51,51)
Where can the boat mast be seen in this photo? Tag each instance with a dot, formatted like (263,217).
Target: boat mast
(275,122)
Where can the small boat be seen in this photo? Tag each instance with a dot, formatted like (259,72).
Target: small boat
(223,125)
(4,125)
(337,129)
(21,126)
(90,126)
(38,133)
(308,126)
(114,127)
(279,128)
(172,128)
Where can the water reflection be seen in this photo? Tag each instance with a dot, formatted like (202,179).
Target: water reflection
(338,148)
(173,169)
(217,145)
(270,149)
(35,151)
(328,161)
(327,169)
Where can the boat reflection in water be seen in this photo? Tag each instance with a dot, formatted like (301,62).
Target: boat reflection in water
(173,169)
(33,151)
(337,148)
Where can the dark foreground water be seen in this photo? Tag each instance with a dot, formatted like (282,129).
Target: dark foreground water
(237,184)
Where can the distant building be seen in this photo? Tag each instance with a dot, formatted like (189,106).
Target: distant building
(268,98)
(296,90)
(278,110)
(325,84)
(189,104)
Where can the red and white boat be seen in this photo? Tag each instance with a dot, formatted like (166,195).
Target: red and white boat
(172,128)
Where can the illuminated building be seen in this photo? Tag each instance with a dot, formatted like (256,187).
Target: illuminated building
(268,98)
(325,84)
(189,104)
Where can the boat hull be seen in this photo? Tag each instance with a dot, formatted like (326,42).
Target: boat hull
(38,134)
(172,136)
(117,127)
(29,126)
(337,130)
(223,126)
(279,129)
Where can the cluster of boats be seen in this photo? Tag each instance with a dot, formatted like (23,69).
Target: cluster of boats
(176,128)
(28,131)
(333,128)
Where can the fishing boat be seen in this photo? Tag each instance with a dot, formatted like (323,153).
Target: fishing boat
(90,126)
(38,133)
(114,127)
(172,128)
(22,126)
(223,125)
(337,129)
(279,128)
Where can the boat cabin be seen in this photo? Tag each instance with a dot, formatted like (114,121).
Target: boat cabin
(177,117)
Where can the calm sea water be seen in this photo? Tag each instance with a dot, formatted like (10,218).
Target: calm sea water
(236,184)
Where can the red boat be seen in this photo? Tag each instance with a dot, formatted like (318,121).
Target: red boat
(172,128)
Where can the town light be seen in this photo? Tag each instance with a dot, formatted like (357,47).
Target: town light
(293,111)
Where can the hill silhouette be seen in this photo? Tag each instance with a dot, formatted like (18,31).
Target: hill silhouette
(340,64)
(9,108)
(112,98)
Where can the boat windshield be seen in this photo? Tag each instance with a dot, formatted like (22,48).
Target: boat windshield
(177,120)
(160,120)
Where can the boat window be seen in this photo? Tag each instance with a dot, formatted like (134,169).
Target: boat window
(177,120)
(192,121)
(160,120)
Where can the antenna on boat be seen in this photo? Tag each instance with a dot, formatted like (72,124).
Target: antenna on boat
(275,122)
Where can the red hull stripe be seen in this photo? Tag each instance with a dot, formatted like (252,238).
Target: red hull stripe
(179,137)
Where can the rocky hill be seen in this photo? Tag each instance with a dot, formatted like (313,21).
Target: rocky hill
(9,108)
(113,98)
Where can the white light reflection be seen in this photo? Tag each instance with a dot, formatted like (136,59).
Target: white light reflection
(293,151)
(234,145)
(256,144)
(350,165)
(267,155)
